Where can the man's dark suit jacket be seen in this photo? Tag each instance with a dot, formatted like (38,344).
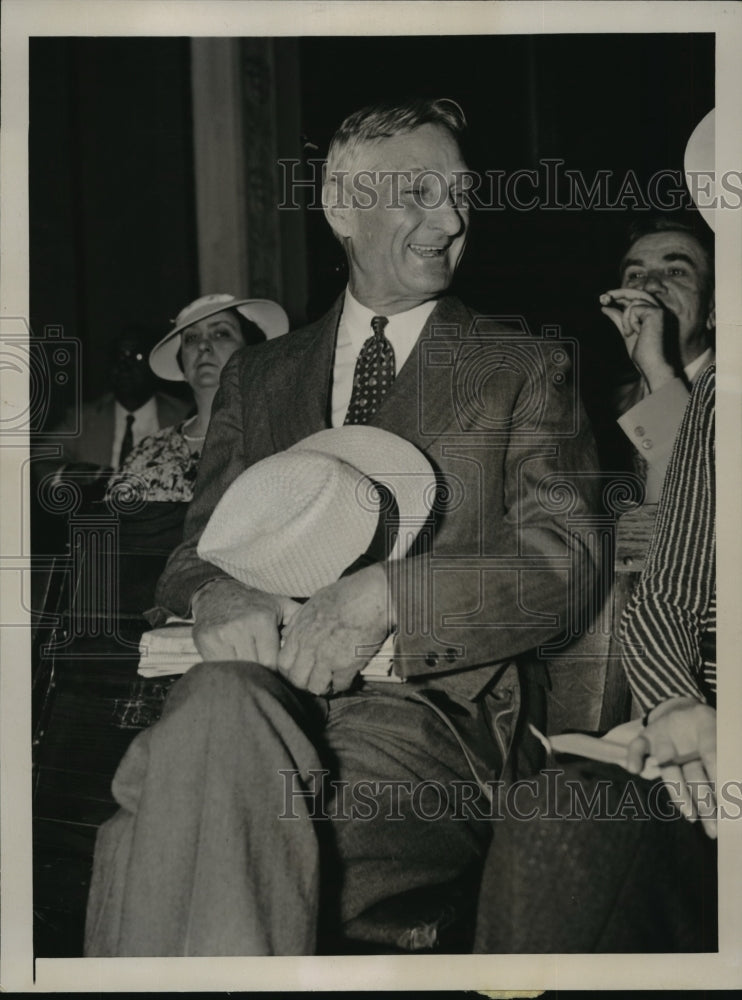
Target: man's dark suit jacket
(97,426)
(498,417)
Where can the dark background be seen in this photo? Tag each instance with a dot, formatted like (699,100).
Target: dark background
(112,218)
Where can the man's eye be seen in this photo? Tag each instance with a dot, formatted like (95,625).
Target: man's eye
(633,276)
(676,272)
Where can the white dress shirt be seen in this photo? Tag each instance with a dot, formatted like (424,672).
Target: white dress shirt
(145,423)
(402,331)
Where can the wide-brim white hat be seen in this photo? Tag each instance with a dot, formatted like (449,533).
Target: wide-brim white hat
(295,521)
(700,167)
(268,315)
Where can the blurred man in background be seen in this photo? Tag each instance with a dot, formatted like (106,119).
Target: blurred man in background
(665,312)
(112,424)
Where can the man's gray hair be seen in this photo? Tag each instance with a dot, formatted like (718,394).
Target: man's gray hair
(380,121)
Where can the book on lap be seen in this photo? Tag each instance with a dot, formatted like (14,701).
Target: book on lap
(170,649)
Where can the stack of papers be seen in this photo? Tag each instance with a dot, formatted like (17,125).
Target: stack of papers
(167,650)
(610,749)
(170,650)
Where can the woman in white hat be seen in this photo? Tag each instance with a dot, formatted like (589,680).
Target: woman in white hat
(206,334)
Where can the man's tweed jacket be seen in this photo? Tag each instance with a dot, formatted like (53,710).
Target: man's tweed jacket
(497,414)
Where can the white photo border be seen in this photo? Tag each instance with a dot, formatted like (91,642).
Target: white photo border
(22,19)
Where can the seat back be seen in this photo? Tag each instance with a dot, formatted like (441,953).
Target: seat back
(588,689)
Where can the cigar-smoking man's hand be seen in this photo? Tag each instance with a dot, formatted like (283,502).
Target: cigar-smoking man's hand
(640,319)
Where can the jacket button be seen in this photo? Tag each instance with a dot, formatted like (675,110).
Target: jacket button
(451,655)
(647,443)
(639,431)
(431,659)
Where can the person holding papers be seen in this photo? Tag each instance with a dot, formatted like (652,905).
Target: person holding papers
(597,860)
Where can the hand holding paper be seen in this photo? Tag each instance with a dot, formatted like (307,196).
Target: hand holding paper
(678,745)
(681,737)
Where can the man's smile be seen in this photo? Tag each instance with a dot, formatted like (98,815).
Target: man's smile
(427,250)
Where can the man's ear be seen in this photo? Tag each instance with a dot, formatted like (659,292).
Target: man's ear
(337,211)
(711,318)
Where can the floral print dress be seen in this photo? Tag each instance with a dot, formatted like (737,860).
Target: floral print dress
(160,467)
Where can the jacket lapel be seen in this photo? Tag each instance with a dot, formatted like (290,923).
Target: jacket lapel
(421,405)
(102,431)
(298,389)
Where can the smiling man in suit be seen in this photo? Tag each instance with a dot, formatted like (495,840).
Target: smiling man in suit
(219,847)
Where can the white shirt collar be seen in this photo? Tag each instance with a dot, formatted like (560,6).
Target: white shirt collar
(148,409)
(407,324)
(699,363)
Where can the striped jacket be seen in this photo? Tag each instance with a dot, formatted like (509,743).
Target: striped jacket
(669,625)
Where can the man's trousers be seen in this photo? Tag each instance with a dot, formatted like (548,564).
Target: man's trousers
(224,845)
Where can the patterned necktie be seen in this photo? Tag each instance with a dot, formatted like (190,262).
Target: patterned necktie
(128,441)
(373,376)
